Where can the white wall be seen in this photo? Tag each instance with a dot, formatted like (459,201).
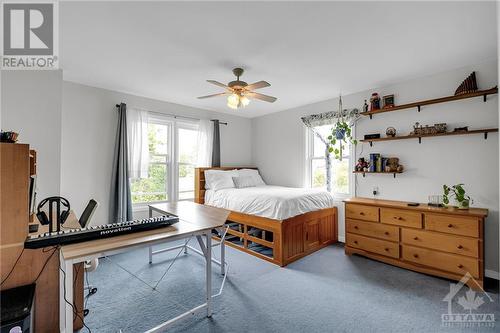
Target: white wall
(89,120)
(279,145)
(31,105)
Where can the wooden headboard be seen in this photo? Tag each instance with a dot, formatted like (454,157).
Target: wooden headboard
(199,181)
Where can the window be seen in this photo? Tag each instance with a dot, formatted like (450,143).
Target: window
(172,159)
(187,143)
(341,178)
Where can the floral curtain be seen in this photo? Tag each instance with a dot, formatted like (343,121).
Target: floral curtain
(329,118)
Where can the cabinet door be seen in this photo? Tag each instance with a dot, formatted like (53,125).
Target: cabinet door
(327,232)
(312,234)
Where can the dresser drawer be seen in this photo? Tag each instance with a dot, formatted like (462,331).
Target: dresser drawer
(406,218)
(443,261)
(457,225)
(361,212)
(373,245)
(371,229)
(432,240)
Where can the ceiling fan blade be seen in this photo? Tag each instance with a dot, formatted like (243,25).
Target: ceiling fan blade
(257,85)
(217,83)
(262,97)
(214,95)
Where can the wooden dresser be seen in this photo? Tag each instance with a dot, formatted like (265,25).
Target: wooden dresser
(445,242)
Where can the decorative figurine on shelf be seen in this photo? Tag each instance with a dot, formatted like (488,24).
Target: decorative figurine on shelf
(8,136)
(362,164)
(441,127)
(421,130)
(390,131)
(375,102)
(365,107)
(393,165)
(468,85)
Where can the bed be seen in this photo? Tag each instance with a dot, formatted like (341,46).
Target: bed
(274,223)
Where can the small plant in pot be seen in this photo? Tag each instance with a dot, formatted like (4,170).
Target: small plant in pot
(458,191)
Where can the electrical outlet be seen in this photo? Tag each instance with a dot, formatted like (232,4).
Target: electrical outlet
(375,191)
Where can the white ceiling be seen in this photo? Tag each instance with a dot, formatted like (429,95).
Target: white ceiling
(308,51)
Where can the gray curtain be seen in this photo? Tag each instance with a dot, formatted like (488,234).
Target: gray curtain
(120,209)
(216,144)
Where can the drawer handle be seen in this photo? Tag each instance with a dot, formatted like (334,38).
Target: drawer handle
(450,225)
(356,227)
(387,249)
(399,218)
(415,238)
(415,255)
(460,266)
(361,213)
(387,233)
(460,247)
(355,242)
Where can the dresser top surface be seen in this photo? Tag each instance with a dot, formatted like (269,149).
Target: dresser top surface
(473,212)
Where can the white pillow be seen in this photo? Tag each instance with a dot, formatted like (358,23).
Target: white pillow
(244,181)
(219,179)
(252,173)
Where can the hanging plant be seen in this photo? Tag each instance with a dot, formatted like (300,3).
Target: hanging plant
(341,134)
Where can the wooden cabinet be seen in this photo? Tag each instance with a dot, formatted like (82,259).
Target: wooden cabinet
(446,242)
(17,163)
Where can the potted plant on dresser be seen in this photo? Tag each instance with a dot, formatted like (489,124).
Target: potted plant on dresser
(458,191)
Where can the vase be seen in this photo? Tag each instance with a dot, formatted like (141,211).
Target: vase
(339,133)
(463,204)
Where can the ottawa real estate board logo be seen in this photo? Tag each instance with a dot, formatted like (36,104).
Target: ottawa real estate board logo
(465,305)
(30,35)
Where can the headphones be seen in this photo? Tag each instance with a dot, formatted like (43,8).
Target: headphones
(42,216)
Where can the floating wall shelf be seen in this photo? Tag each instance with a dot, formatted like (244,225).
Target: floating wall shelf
(417,105)
(484,131)
(383,172)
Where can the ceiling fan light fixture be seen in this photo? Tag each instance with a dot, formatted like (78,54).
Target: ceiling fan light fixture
(233,101)
(239,93)
(244,100)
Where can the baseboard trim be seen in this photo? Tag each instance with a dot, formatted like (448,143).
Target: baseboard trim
(492,274)
(341,239)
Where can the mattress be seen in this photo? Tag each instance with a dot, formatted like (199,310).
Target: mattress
(274,202)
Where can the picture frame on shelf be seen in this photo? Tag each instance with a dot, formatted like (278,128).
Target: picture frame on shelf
(388,101)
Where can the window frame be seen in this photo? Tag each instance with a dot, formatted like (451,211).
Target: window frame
(172,164)
(310,158)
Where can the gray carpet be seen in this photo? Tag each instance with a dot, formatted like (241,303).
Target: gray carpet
(324,292)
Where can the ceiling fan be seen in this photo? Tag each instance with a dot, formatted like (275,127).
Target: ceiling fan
(239,92)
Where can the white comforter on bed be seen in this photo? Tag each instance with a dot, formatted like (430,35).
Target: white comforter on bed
(275,202)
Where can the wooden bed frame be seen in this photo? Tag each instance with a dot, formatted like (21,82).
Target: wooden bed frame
(278,241)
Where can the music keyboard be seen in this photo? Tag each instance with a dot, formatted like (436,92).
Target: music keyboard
(68,236)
